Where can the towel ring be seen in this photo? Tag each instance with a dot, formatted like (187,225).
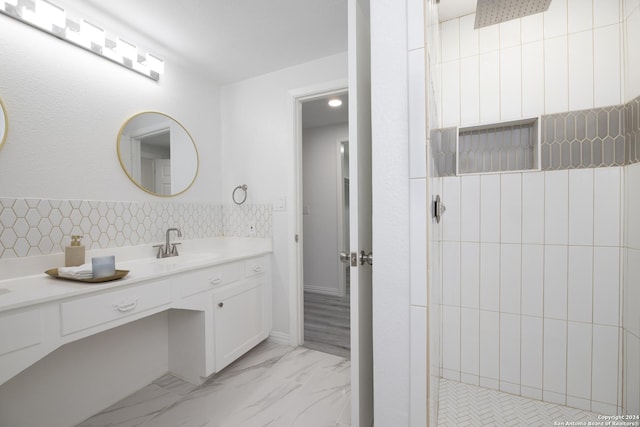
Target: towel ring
(233,195)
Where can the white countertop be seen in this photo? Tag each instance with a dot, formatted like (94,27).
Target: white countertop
(35,287)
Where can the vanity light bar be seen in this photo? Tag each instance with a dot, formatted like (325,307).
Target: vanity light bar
(52,19)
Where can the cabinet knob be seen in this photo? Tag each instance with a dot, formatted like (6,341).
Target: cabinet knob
(220,304)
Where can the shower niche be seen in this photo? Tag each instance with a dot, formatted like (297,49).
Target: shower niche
(499,147)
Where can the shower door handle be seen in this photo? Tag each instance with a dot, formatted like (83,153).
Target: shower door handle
(349,258)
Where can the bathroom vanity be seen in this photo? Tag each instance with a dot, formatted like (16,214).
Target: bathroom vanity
(218,294)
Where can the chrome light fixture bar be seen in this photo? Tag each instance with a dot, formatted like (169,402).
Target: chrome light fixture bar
(52,19)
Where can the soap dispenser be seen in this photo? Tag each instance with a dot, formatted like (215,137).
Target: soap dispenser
(74,254)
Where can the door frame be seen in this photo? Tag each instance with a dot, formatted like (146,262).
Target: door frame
(296,294)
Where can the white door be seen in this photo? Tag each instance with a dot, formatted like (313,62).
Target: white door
(360,212)
(163,176)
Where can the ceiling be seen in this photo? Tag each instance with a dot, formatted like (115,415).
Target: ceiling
(449,9)
(317,112)
(227,40)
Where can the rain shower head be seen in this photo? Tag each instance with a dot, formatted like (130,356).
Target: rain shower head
(490,12)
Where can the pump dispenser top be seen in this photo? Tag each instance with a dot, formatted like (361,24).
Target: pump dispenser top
(74,254)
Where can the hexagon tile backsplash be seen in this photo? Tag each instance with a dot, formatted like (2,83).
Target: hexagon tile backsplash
(31,227)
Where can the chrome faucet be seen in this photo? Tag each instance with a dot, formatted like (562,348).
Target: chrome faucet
(168,249)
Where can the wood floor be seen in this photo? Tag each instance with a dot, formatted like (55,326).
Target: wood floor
(326,324)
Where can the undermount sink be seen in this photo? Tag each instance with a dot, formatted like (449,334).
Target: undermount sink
(4,291)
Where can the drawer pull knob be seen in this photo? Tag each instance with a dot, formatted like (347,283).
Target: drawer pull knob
(126,306)
(216,280)
(257,269)
(220,304)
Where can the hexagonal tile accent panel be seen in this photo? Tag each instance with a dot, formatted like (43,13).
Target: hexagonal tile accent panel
(31,227)
(443,151)
(584,139)
(632,130)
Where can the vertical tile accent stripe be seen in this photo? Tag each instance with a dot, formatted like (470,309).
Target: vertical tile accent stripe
(595,138)
(30,227)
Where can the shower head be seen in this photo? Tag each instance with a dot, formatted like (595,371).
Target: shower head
(490,12)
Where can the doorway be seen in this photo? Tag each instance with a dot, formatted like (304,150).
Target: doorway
(325,223)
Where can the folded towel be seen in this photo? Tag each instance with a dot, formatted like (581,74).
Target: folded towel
(84,271)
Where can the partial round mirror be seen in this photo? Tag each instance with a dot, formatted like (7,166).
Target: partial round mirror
(158,154)
(4,124)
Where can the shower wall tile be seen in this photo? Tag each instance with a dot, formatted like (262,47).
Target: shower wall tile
(532,78)
(531,28)
(581,66)
(532,280)
(555,282)
(451,93)
(489,208)
(510,348)
(605,12)
(607,51)
(606,286)
(490,276)
(579,17)
(489,345)
(531,352)
(451,273)
(469,43)
(451,219)
(470,341)
(556,74)
(555,19)
(450,40)
(489,86)
(510,83)
(469,91)
(511,208)
(605,364)
(417,112)
(607,206)
(556,217)
(470,275)
(581,207)
(469,208)
(510,278)
(418,214)
(580,284)
(632,373)
(533,208)
(451,341)
(579,352)
(555,356)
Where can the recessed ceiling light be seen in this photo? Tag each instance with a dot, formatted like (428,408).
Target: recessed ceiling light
(335,102)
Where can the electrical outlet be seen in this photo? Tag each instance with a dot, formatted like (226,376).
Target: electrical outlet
(251,228)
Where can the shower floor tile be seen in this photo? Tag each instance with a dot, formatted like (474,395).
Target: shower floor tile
(468,405)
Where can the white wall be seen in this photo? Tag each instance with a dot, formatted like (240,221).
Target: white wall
(568,58)
(258,149)
(321,199)
(65,107)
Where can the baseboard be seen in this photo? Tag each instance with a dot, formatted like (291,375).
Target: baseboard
(322,290)
(279,338)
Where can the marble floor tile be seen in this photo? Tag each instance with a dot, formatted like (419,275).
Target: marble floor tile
(271,385)
(134,410)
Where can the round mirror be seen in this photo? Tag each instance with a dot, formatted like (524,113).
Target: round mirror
(4,124)
(158,154)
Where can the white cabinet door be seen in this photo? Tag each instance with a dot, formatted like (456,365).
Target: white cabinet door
(240,319)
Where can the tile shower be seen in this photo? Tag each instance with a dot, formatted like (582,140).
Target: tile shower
(538,269)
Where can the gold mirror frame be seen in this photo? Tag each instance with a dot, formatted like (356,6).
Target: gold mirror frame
(123,163)
(4,131)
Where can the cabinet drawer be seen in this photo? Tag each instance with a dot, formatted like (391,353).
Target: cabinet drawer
(202,280)
(19,330)
(256,266)
(92,311)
